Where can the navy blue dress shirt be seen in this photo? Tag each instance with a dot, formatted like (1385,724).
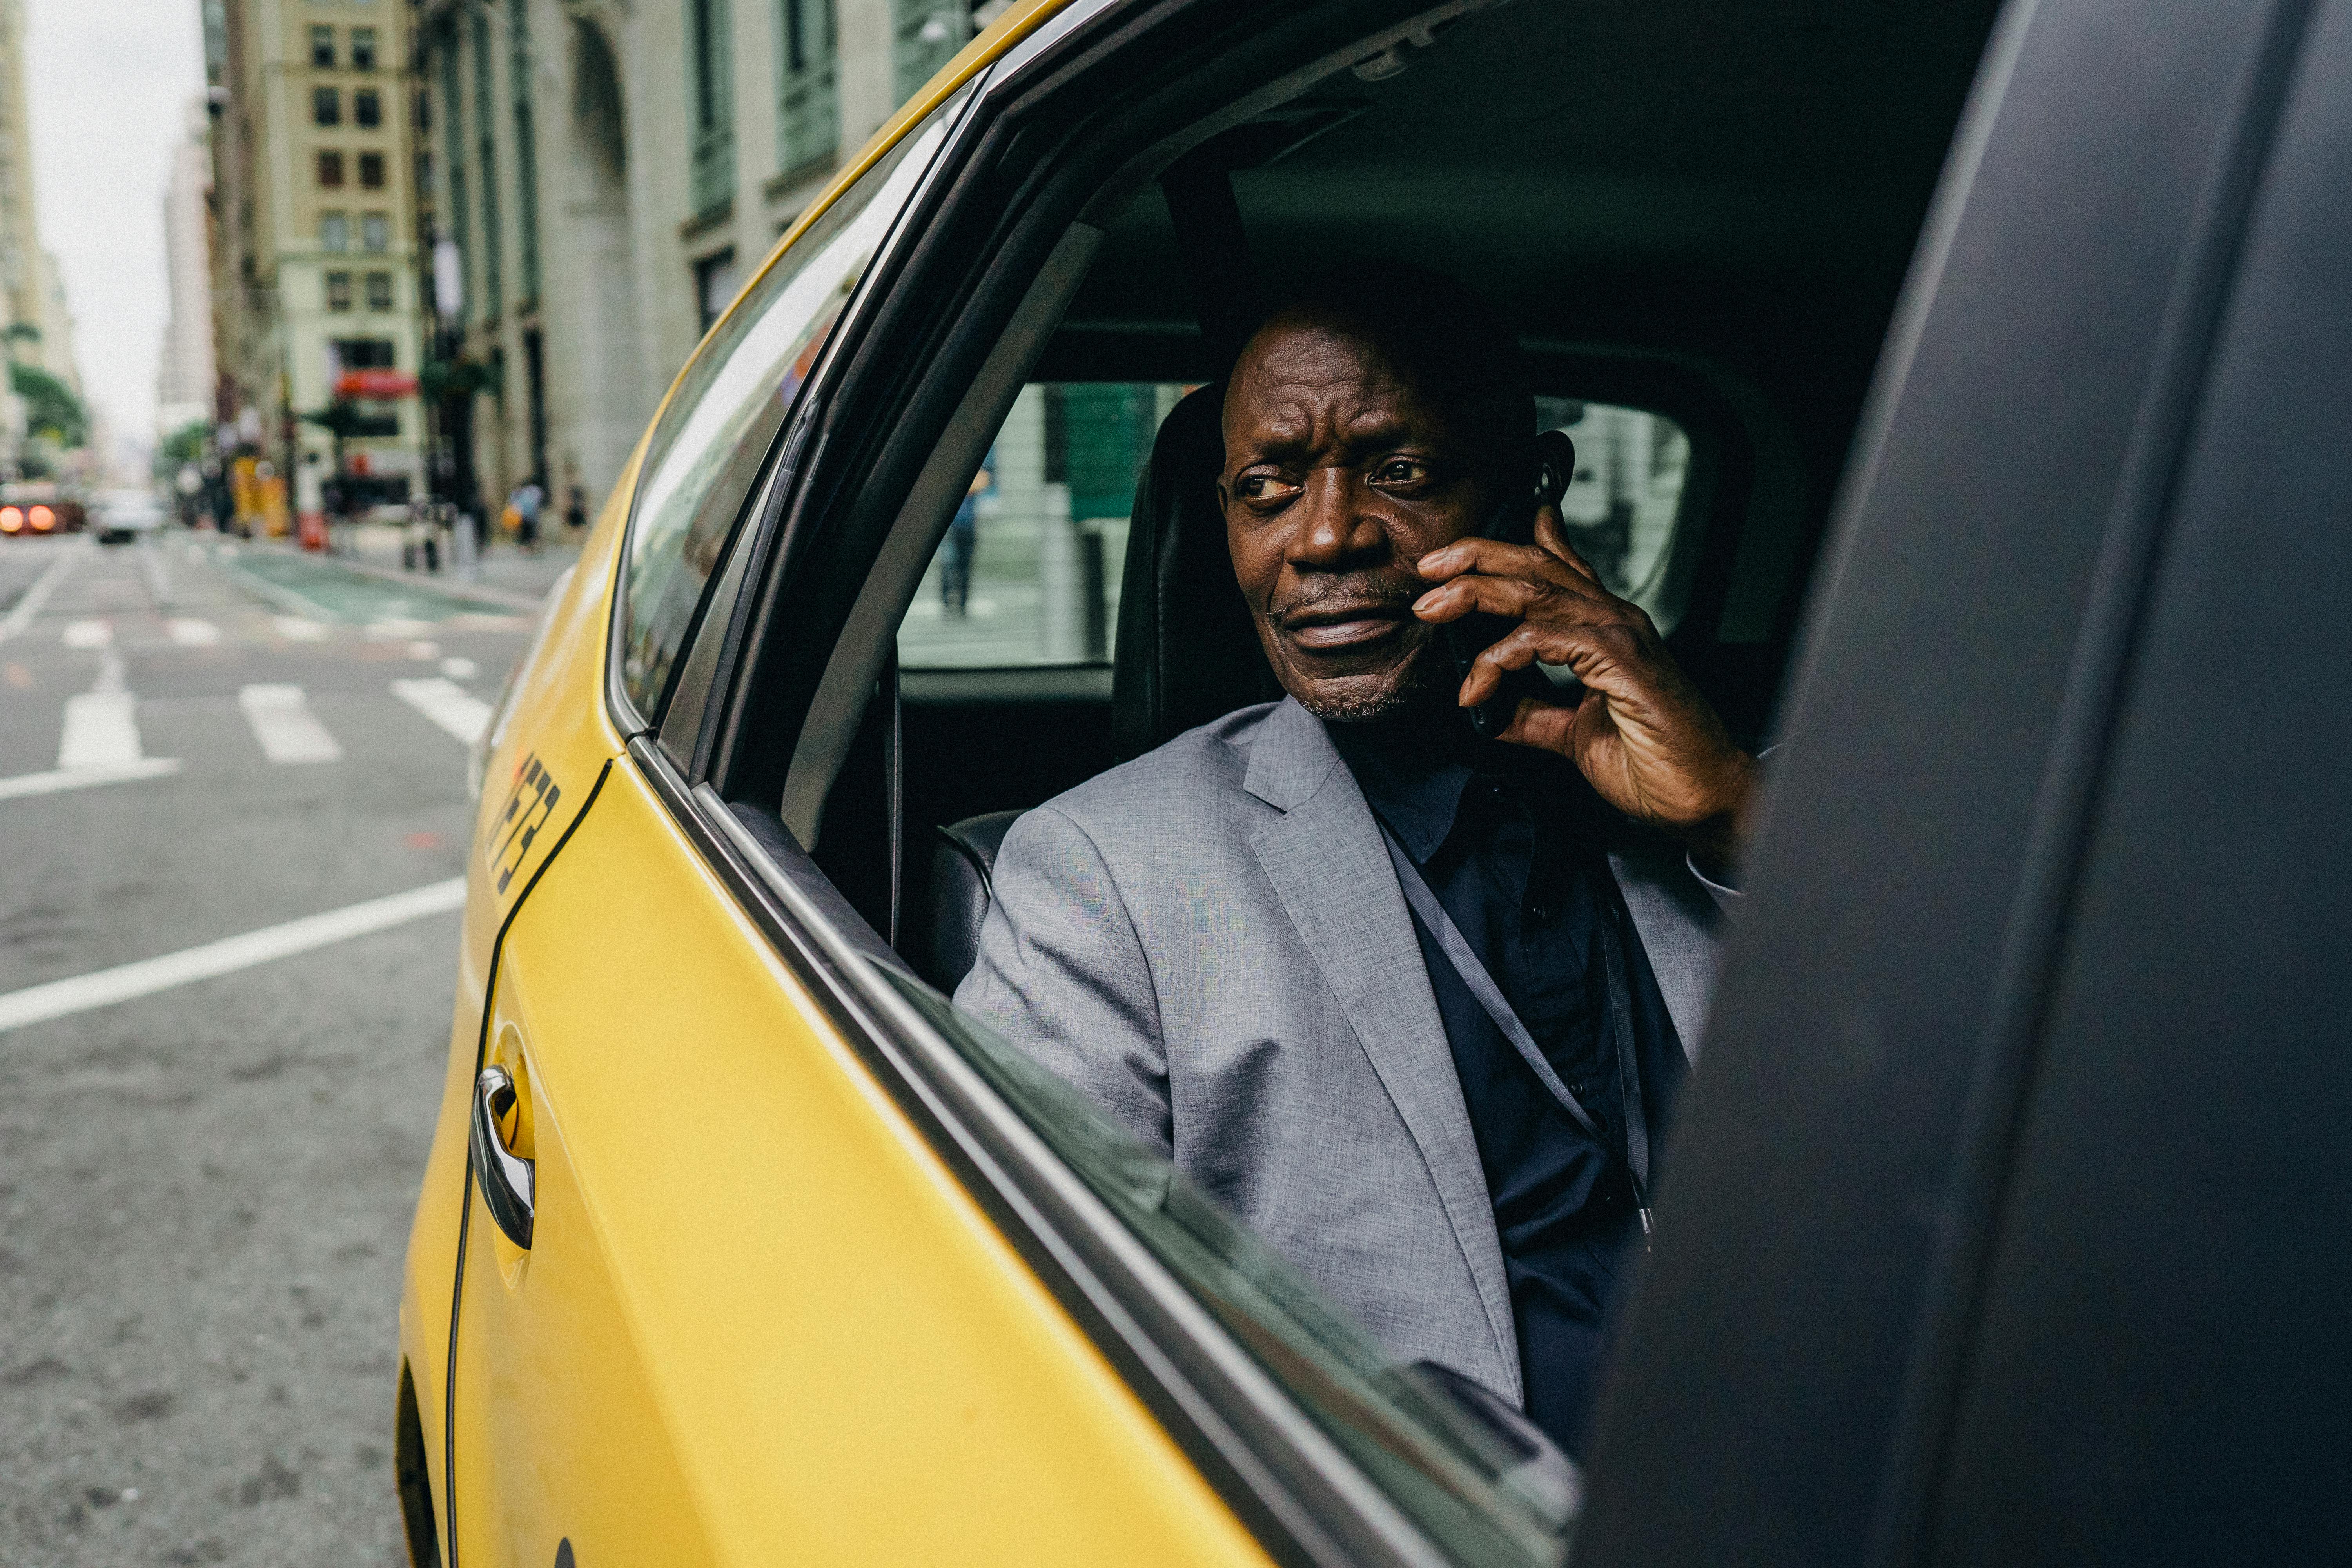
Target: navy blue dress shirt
(1511,843)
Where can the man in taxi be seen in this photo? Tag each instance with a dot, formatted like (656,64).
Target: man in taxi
(1413,1003)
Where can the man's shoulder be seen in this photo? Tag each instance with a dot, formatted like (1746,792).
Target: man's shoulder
(1191,781)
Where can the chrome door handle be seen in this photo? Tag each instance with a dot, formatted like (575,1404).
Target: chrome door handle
(507,1181)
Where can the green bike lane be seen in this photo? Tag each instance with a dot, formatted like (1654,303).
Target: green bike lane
(321,589)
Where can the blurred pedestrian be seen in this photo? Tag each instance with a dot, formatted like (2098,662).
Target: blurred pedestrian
(528,501)
(963,539)
(576,510)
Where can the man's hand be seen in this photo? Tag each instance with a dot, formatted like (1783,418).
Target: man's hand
(1641,732)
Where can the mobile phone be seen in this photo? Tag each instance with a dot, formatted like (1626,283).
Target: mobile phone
(1514,522)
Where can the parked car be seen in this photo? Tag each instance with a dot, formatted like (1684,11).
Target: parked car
(1999,358)
(125,515)
(35,509)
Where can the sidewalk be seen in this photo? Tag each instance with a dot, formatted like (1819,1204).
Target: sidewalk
(502,575)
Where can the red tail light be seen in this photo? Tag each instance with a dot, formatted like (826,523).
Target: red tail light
(12,519)
(43,520)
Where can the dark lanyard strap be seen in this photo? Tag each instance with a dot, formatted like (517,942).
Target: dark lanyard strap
(1473,973)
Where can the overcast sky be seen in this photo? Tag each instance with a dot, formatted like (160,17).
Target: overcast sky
(108,83)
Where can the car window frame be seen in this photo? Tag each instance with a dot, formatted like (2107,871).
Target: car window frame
(771,484)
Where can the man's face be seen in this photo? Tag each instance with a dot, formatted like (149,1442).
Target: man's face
(1339,477)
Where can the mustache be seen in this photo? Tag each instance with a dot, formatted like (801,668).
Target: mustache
(1361,589)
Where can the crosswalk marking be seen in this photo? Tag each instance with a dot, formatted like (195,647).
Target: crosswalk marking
(195,634)
(282,721)
(447,704)
(89,634)
(294,628)
(101,732)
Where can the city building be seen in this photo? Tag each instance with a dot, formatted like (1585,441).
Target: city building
(318,324)
(600,175)
(185,370)
(34,328)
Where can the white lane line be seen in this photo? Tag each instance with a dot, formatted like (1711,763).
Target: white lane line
(447,704)
(195,634)
(294,628)
(38,594)
(282,721)
(89,634)
(460,669)
(58,998)
(83,778)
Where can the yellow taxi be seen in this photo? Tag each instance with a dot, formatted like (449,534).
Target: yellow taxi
(737,1243)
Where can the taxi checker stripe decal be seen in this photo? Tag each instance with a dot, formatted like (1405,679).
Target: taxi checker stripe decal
(466,1198)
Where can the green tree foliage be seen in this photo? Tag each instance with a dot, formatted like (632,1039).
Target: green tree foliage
(50,408)
(182,446)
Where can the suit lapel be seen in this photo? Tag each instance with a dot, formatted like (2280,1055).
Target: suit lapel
(1676,920)
(1325,858)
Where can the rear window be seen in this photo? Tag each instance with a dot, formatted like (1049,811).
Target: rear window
(1625,504)
(1029,571)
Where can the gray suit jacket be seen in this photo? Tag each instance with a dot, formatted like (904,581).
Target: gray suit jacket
(1209,942)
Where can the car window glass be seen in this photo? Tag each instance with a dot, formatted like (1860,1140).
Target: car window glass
(1623,505)
(1029,571)
(1477,1490)
(716,431)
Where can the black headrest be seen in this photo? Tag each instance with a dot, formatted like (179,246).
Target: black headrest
(1187,651)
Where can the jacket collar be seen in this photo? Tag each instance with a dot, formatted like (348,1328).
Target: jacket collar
(1291,757)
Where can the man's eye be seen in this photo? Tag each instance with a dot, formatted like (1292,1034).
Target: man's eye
(1401,471)
(1262,486)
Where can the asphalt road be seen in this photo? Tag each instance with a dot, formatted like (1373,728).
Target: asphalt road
(206,1189)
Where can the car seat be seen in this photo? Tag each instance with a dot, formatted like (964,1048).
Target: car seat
(1186,654)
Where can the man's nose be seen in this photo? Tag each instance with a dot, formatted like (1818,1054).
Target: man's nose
(1335,526)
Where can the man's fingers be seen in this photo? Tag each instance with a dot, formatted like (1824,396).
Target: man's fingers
(1571,601)
(1493,558)
(1552,532)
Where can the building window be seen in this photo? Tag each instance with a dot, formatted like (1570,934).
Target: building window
(367,108)
(362,48)
(364,353)
(714,285)
(808,98)
(424,112)
(371,171)
(494,284)
(926,34)
(326,106)
(339,291)
(526,145)
(379,290)
(334,232)
(322,48)
(375,233)
(331,170)
(711,100)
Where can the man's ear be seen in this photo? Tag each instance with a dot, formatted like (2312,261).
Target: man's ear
(1224,502)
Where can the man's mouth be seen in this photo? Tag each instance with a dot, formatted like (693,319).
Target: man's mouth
(1332,626)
